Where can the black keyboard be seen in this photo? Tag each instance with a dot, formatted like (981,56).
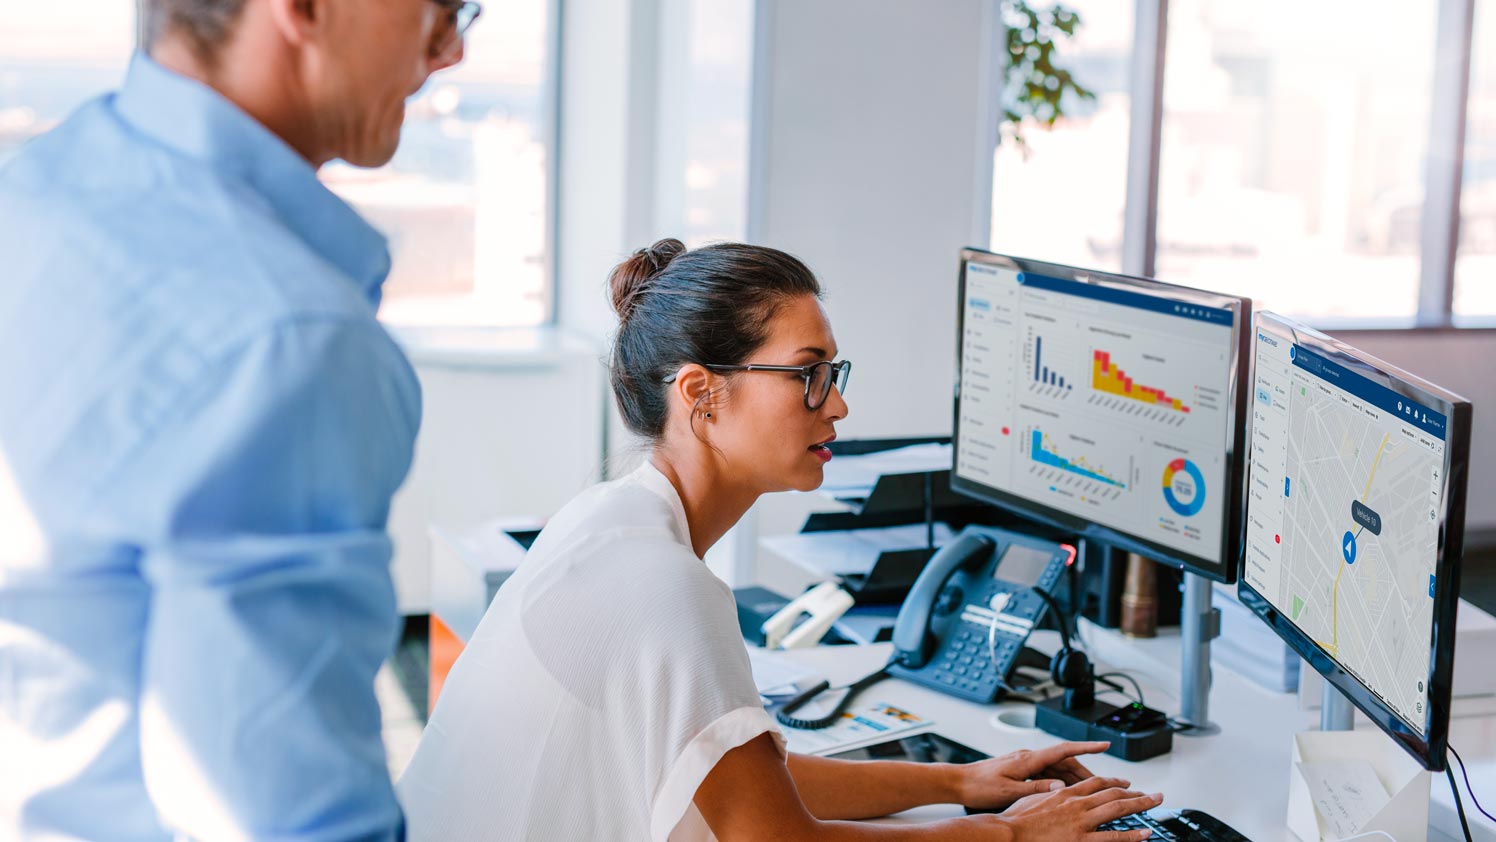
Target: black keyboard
(1182,825)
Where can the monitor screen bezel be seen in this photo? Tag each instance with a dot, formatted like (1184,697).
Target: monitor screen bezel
(1233,525)
(1428,749)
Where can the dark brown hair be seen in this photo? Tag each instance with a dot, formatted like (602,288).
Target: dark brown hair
(710,305)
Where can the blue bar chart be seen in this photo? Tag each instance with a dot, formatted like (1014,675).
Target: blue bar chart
(1043,374)
(1043,452)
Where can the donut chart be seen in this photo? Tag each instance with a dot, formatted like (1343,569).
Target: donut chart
(1184,487)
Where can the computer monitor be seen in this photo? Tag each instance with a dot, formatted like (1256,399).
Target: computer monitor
(1355,520)
(1108,406)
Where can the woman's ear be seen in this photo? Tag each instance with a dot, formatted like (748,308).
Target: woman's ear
(694,392)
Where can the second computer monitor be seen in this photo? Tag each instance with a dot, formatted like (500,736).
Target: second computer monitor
(1106,405)
(1355,521)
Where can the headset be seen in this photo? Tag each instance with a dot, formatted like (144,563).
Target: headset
(1070,668)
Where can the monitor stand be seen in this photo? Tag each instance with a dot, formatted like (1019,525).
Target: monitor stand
(1199,624)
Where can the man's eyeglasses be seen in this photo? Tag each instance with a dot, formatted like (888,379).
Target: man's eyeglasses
(819,377)
(456,18)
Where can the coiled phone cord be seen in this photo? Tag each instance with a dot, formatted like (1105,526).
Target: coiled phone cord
(789,707)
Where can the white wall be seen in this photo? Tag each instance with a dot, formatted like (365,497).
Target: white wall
(512,426)
(871,137)
(872,161)
(1459,360)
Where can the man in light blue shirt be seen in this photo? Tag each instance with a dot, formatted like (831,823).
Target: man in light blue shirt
(201,427)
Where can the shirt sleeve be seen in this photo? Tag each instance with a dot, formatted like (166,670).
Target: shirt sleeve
(272,605)
(660,657)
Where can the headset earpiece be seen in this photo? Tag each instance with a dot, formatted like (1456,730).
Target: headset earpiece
(1070,668)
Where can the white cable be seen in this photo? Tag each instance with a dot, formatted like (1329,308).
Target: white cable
(1002,679)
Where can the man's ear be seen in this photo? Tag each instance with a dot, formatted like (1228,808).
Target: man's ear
(298,21)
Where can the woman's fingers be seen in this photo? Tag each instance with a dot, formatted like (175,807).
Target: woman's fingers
(1091,786)
(1056,754)
(1119,807)
(1069,770)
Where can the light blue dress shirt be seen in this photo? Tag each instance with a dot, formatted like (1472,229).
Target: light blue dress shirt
(201,427)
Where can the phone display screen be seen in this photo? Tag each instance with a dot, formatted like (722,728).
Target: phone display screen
(1022,565)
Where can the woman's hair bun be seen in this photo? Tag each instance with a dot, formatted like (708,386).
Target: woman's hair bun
(632,277)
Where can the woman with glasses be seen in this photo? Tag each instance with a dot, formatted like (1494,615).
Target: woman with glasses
(606,694)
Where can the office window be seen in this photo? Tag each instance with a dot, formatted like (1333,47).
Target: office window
(1475,263)
(54,58)
(464,202)
(1061,199)
(716,168)
(1292,160)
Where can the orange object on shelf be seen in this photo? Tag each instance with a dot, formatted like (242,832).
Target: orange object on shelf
(445,647)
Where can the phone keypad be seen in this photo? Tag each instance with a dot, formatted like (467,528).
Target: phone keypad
(964,666)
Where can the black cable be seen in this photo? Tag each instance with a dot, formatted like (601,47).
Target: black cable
(1115,688)
(789,707)
(1138,688)
(1059,616)
(1459,808)
(1468,788)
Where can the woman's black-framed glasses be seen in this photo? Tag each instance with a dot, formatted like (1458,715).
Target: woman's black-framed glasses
(457,18)
(819,377)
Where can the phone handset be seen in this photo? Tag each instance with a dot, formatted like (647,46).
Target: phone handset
(913,640)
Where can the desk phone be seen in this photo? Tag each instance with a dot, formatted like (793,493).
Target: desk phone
(964,624)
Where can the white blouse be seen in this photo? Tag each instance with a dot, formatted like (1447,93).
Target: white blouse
(604,683)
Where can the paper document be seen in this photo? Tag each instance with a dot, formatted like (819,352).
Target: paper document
(861,725)
(839,552)
(774,675)
(1347,794)
(855,476)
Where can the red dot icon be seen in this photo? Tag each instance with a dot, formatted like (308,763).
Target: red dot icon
(1277,539)
(1005,431)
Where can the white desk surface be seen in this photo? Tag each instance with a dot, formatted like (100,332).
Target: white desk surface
(1239,775)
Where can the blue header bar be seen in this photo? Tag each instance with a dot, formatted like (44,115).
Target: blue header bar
(1128,298)
(1400,406)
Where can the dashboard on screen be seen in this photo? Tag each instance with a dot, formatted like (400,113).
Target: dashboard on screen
(1103,404)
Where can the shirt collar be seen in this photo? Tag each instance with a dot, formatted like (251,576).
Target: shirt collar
(198,122)
(650,477)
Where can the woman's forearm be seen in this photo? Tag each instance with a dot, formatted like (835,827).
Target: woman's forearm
(861,789)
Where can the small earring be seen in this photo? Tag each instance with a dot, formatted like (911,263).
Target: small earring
(708,415)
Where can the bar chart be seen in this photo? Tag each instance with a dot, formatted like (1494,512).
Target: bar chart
(1046,455)
(1108,378)
(1044,370)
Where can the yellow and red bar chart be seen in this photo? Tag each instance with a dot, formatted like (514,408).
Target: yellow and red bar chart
(1110,379)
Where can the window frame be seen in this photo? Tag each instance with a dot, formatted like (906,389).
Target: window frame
(1439,231)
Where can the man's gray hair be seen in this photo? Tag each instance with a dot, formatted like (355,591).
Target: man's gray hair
(207,24)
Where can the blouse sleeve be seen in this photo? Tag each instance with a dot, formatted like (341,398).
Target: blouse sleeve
(652,645)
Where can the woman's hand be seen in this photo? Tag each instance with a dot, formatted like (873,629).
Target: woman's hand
(1074,812)
(997,783)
